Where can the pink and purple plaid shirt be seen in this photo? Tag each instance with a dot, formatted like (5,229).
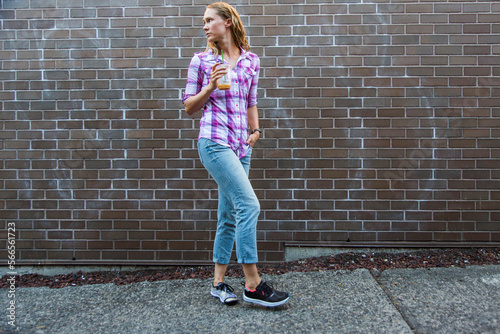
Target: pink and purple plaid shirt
(224,119)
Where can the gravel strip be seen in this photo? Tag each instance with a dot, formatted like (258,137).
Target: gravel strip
(377,262)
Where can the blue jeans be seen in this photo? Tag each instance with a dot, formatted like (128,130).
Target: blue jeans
(238,209)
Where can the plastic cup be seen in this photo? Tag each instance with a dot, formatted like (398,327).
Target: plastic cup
(224,83)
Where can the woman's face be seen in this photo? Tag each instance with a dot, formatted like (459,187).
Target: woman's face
(214,25)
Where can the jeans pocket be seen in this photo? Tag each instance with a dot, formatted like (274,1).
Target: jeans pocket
(201,148)
(205,148)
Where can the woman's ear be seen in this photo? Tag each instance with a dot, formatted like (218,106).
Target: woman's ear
(229,22)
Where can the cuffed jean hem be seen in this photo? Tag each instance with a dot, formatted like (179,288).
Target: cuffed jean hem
(240,261)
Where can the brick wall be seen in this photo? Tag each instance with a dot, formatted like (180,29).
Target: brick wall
(381,123)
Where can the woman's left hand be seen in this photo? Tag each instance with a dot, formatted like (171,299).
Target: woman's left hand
(252,139)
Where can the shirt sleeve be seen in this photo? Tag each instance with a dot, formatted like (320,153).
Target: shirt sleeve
(194,78)
(252,93)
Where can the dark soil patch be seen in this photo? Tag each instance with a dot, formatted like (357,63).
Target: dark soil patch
(453,257)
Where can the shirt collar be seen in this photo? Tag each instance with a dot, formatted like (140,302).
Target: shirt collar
(243,54)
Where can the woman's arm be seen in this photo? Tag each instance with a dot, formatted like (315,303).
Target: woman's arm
(196,102)
(253,123)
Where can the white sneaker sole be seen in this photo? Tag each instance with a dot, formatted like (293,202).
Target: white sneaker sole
(264,303)
(227,301)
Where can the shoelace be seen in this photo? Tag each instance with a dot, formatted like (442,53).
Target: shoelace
(265,287)
(268,289)
(226,287)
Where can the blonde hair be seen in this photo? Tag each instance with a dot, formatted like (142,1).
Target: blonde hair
(226,11)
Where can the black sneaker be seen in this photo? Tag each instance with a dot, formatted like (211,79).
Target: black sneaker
(265,295)
(225,293)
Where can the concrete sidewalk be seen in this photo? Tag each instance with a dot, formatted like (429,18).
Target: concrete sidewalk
(446,300)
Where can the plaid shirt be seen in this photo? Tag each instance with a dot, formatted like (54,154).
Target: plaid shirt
(224,119)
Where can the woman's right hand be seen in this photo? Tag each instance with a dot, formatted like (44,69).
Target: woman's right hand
(217,73)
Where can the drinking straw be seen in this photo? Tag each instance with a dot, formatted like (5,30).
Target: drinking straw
(222,54)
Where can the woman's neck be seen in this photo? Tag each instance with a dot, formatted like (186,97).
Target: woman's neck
(231,53)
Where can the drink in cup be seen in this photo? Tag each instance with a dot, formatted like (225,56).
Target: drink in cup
(224,83)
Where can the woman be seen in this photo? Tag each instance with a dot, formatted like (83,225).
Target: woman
(225,147)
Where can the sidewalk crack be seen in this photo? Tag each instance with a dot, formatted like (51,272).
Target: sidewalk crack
(376,274)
